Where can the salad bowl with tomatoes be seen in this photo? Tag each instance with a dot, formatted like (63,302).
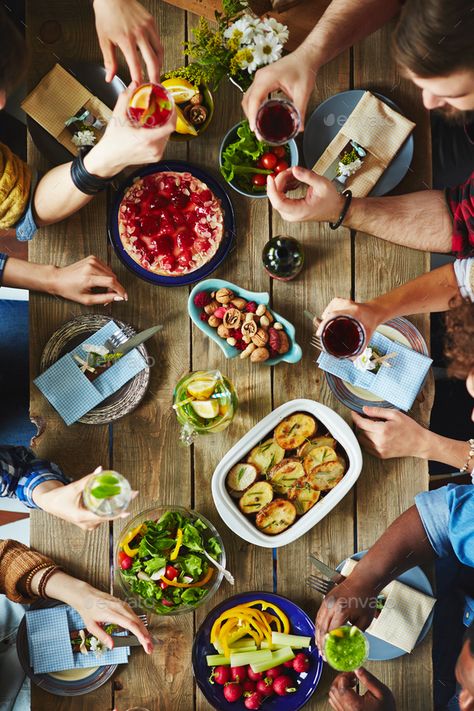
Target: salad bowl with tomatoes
(161,560)
(245,161)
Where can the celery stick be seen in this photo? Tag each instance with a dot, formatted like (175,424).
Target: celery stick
(244,642)
(280,656)
(243,658)
(241,650)
(290,640)
(214,660)
(272,647)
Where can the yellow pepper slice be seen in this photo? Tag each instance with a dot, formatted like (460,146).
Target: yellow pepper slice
(268,605)
(179,541)
(197,584)
(239,612)
(129,537)
(272,619)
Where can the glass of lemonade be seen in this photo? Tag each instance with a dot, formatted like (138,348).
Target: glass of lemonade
(107,494)
(205,402)
(346,648)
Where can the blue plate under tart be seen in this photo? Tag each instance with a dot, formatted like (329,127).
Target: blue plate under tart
(300,624)
(227,238)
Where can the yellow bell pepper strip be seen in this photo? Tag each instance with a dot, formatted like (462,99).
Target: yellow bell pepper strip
(233,612)
(242,614)
(198,584)
(179,541)
(129,537)
(268,605)
(272,619)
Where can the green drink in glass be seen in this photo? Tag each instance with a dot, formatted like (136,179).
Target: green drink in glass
(205,402)
(107,494)
(346,648)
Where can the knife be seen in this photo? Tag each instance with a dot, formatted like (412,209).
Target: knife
(137,340)
(128,640)
(325,569)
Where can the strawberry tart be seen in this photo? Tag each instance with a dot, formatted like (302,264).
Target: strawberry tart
(171,223)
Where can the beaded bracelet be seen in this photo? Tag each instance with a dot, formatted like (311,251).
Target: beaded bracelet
(31,575)
(470,456)
(44,579)
(348,195)
(84,181)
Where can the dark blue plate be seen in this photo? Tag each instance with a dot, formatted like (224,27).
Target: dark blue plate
(300,624)
(227,239)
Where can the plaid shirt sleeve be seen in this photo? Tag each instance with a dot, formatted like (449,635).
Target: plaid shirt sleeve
(460,200)
(3,261)
(21,472)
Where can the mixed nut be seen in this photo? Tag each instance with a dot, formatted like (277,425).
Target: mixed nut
(245,325)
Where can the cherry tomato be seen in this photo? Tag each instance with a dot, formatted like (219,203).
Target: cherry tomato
(163,585)
(125,561)
(279,151)
(167,603)
(260,163)
(281,166)
(171,573)
(269,161)
(259,180)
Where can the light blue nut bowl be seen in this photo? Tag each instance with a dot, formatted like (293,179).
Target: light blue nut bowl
(231,136)
(260,297)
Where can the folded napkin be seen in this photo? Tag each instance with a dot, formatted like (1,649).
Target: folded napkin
(71,393)
(398,384)
(403,616)
(58,97)
(380,130)
(49,642)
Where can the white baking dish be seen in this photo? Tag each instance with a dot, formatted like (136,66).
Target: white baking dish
(227,507)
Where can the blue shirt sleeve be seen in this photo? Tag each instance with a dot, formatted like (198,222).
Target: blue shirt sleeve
(21,472)
(447,515)
(3,261)
(26,226)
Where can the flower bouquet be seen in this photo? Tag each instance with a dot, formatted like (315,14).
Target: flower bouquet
(236,47)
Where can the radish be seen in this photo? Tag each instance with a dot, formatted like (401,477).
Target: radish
(283,685)
(289,664)
(221,675)
(254,701)
(265,686)
(249,687)
(233,691)
(301,663)
(238,674)
(254,676)
(274,672)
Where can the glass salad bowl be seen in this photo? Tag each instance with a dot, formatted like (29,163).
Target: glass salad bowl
(160,560)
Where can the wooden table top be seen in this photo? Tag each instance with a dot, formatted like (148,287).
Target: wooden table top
(144,445)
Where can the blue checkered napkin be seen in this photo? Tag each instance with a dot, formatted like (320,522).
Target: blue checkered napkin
(49,642)
(71,393)
(398,385)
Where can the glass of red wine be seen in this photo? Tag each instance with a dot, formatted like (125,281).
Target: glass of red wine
(278,120)
(343,337)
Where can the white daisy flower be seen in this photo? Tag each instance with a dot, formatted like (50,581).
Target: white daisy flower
(250,65)
(267,49)
(280,31)
(244,26)
(83,138)
(364,362)
(97,646)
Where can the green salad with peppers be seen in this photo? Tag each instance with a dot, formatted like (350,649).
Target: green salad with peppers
(163,562)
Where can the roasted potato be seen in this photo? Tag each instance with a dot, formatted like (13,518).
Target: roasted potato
(327,475)
(240,477)
(276,516)
(325,441)
(303,495)
(265,455)
(285,474)
(256,497)
(318,456)
(294,430)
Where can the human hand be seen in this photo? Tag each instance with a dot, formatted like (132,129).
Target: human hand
(390,433)
(65,501)
(97,608)
(127,25)
(76,281)
(368,314)
(322,202)
(352,600)
(291,74)
(124,143)
(343,697)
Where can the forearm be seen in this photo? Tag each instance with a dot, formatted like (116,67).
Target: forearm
(344,23)
(403,545)
(21,274)
(419,220)
(443,449)
(428,293)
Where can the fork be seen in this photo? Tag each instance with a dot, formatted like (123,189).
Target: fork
(115,340)
(226,573)
(319,584)
(315,340)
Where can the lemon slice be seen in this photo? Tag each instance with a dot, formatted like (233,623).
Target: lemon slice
(201,389)
(180,89)
(337,632)
(182,125)
(207,409)
(141,98)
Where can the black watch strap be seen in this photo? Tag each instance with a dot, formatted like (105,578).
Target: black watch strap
(83,180)
(348,195)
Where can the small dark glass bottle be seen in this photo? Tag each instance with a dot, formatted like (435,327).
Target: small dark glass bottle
(283,258)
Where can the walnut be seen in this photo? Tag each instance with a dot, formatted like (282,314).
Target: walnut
(249,328)
(214,321)
(197,98)
(223,331)
(261,308)
(250,349)
(239,303)
(223,296)
(259,355)
(211,307)
(261,338)
(232,318)
(196,114)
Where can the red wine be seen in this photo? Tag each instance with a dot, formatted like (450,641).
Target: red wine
(278,120)
(283,258)
(343,337)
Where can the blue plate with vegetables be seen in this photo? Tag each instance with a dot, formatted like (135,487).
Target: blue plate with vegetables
(255,649)
(164,558)
(245,161)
